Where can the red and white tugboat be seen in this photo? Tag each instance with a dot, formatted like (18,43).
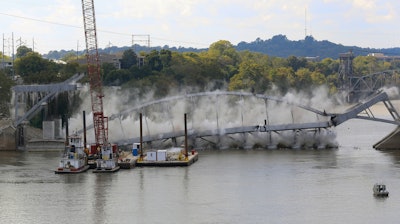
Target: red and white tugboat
(74,157)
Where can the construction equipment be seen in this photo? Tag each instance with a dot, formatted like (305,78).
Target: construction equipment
(102,148)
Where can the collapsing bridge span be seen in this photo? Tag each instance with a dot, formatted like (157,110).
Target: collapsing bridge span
(359,111)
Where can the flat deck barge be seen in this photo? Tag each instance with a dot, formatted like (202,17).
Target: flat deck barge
(190,160)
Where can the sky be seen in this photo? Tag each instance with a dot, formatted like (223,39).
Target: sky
(46,25)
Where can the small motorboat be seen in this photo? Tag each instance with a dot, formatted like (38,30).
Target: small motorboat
(380,190)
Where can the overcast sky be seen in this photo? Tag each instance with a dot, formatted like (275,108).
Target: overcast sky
(58,24)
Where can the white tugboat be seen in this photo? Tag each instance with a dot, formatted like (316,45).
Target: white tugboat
(380,190)
(74,158)
(107,159)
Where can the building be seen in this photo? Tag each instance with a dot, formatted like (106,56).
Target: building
(383,57)
(6,64)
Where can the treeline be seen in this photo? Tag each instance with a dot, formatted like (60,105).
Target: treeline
(221,66)
(277,46)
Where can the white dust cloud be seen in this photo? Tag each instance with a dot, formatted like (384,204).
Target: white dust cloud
(212,112)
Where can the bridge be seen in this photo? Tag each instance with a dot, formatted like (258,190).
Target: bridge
(246,131)
(40,95)
(359,86)
(223,119)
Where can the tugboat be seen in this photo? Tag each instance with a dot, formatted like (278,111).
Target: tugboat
(106,161)
(380,190)
(74,157)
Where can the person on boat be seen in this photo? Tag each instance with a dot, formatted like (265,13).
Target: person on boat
(86,150)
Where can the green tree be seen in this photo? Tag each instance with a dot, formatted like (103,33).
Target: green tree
(302,79)
(327,66)
(22,51)
(296,63)
(283,78)
(129,59)
(35,69)
(365,65)
(70,68)
(31,63)
(165,57)
(153,61)
(250,77)
(107,69)
(118,77)
(5,93)
(226,56)
(69,57)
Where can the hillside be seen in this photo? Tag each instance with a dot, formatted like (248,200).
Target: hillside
(278,46)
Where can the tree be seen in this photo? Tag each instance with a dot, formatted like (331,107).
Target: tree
(129,58)
(365,65)
(154,61)
(250,77)
(165,57)
(283,78)
(70,56)
(226,55)
(5,93)
(31,63)
(107,69)
(302,78)
(23,51)
(118,77)
(35,69)
(296,63)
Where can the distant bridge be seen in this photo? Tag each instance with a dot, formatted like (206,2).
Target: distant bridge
(357,87)
(43,94)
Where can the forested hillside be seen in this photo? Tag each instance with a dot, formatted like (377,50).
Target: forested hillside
(278,46)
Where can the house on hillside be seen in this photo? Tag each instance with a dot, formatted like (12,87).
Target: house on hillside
(383,57)
(6,64)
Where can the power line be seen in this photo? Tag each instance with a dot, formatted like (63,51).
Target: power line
(99,30)
(40,20)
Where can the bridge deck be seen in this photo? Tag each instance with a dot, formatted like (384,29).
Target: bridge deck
(391,141)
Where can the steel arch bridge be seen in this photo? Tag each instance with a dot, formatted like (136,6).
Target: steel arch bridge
(259,130)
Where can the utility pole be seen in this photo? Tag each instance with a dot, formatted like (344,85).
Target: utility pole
(305,22)
(33,44)
(2,65)
(13,57)
(77,49)
(140,38)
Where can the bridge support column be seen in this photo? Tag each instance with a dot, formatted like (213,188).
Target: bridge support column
(174,142)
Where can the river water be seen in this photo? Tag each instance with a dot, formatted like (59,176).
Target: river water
(224,186)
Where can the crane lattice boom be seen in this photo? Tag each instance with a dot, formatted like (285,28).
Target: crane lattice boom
(96,91)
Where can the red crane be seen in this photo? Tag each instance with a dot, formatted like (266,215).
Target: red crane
(96,90)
